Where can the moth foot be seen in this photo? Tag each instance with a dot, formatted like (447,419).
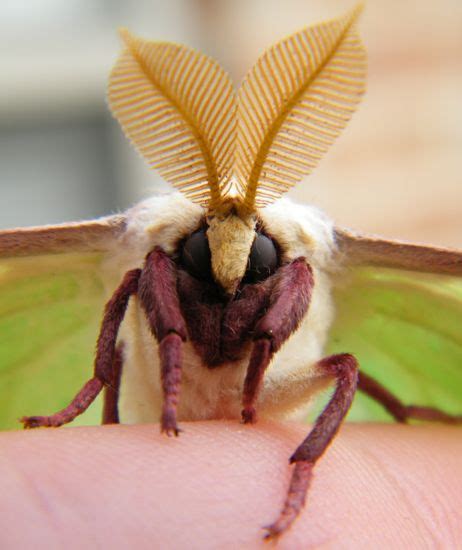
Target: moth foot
(168,424)
(280,526)
(249,415)
(171,431)
(295,500)
(39,422)
(273,532)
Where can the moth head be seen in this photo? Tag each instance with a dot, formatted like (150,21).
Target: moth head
(232,152)
(230,248)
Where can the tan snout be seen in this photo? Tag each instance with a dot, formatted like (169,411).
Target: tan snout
(230,239)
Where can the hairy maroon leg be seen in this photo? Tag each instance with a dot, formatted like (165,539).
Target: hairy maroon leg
(290,298)
(159,298)
(77,406)
(113,315)
(259,361)
(401,412)
(111,391)
(170,359)
(344,368)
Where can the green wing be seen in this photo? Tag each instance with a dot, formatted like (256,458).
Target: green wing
(405,328)
(50,309)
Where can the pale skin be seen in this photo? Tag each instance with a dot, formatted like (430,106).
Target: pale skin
(129,486)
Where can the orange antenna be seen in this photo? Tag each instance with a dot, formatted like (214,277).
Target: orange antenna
(177,106)
(293,103)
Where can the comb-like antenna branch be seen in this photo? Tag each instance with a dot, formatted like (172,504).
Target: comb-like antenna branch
(177,106)
(294,103)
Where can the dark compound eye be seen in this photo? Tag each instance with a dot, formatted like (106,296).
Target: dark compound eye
(195,255)
(263,259)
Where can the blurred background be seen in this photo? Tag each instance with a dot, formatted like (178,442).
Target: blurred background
(395,171)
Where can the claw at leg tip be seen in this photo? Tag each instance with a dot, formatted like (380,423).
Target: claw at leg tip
(249,415)
(170,430)
(30,422)
(272,533)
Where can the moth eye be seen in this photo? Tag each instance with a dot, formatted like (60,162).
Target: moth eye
(263,259)
(195,255)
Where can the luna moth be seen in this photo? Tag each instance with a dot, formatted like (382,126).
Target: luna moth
(225,300)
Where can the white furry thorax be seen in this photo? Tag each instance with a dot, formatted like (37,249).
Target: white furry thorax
(166,220)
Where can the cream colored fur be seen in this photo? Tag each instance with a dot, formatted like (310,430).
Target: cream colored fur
(291,379)
(230,239)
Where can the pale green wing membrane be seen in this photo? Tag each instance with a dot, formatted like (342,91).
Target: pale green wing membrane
(49,312)
(50,309)
(405,328)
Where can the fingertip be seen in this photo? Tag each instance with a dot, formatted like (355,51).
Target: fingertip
(218,483)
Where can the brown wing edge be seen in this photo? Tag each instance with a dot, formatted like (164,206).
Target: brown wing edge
(86,236)
(356,249)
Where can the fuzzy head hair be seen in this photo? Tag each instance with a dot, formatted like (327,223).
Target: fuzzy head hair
(236,152)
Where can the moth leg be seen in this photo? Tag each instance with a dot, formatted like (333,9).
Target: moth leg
(344,368)
(105,350)
(401,412)
(159,298)
(290,298)
(111,391)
